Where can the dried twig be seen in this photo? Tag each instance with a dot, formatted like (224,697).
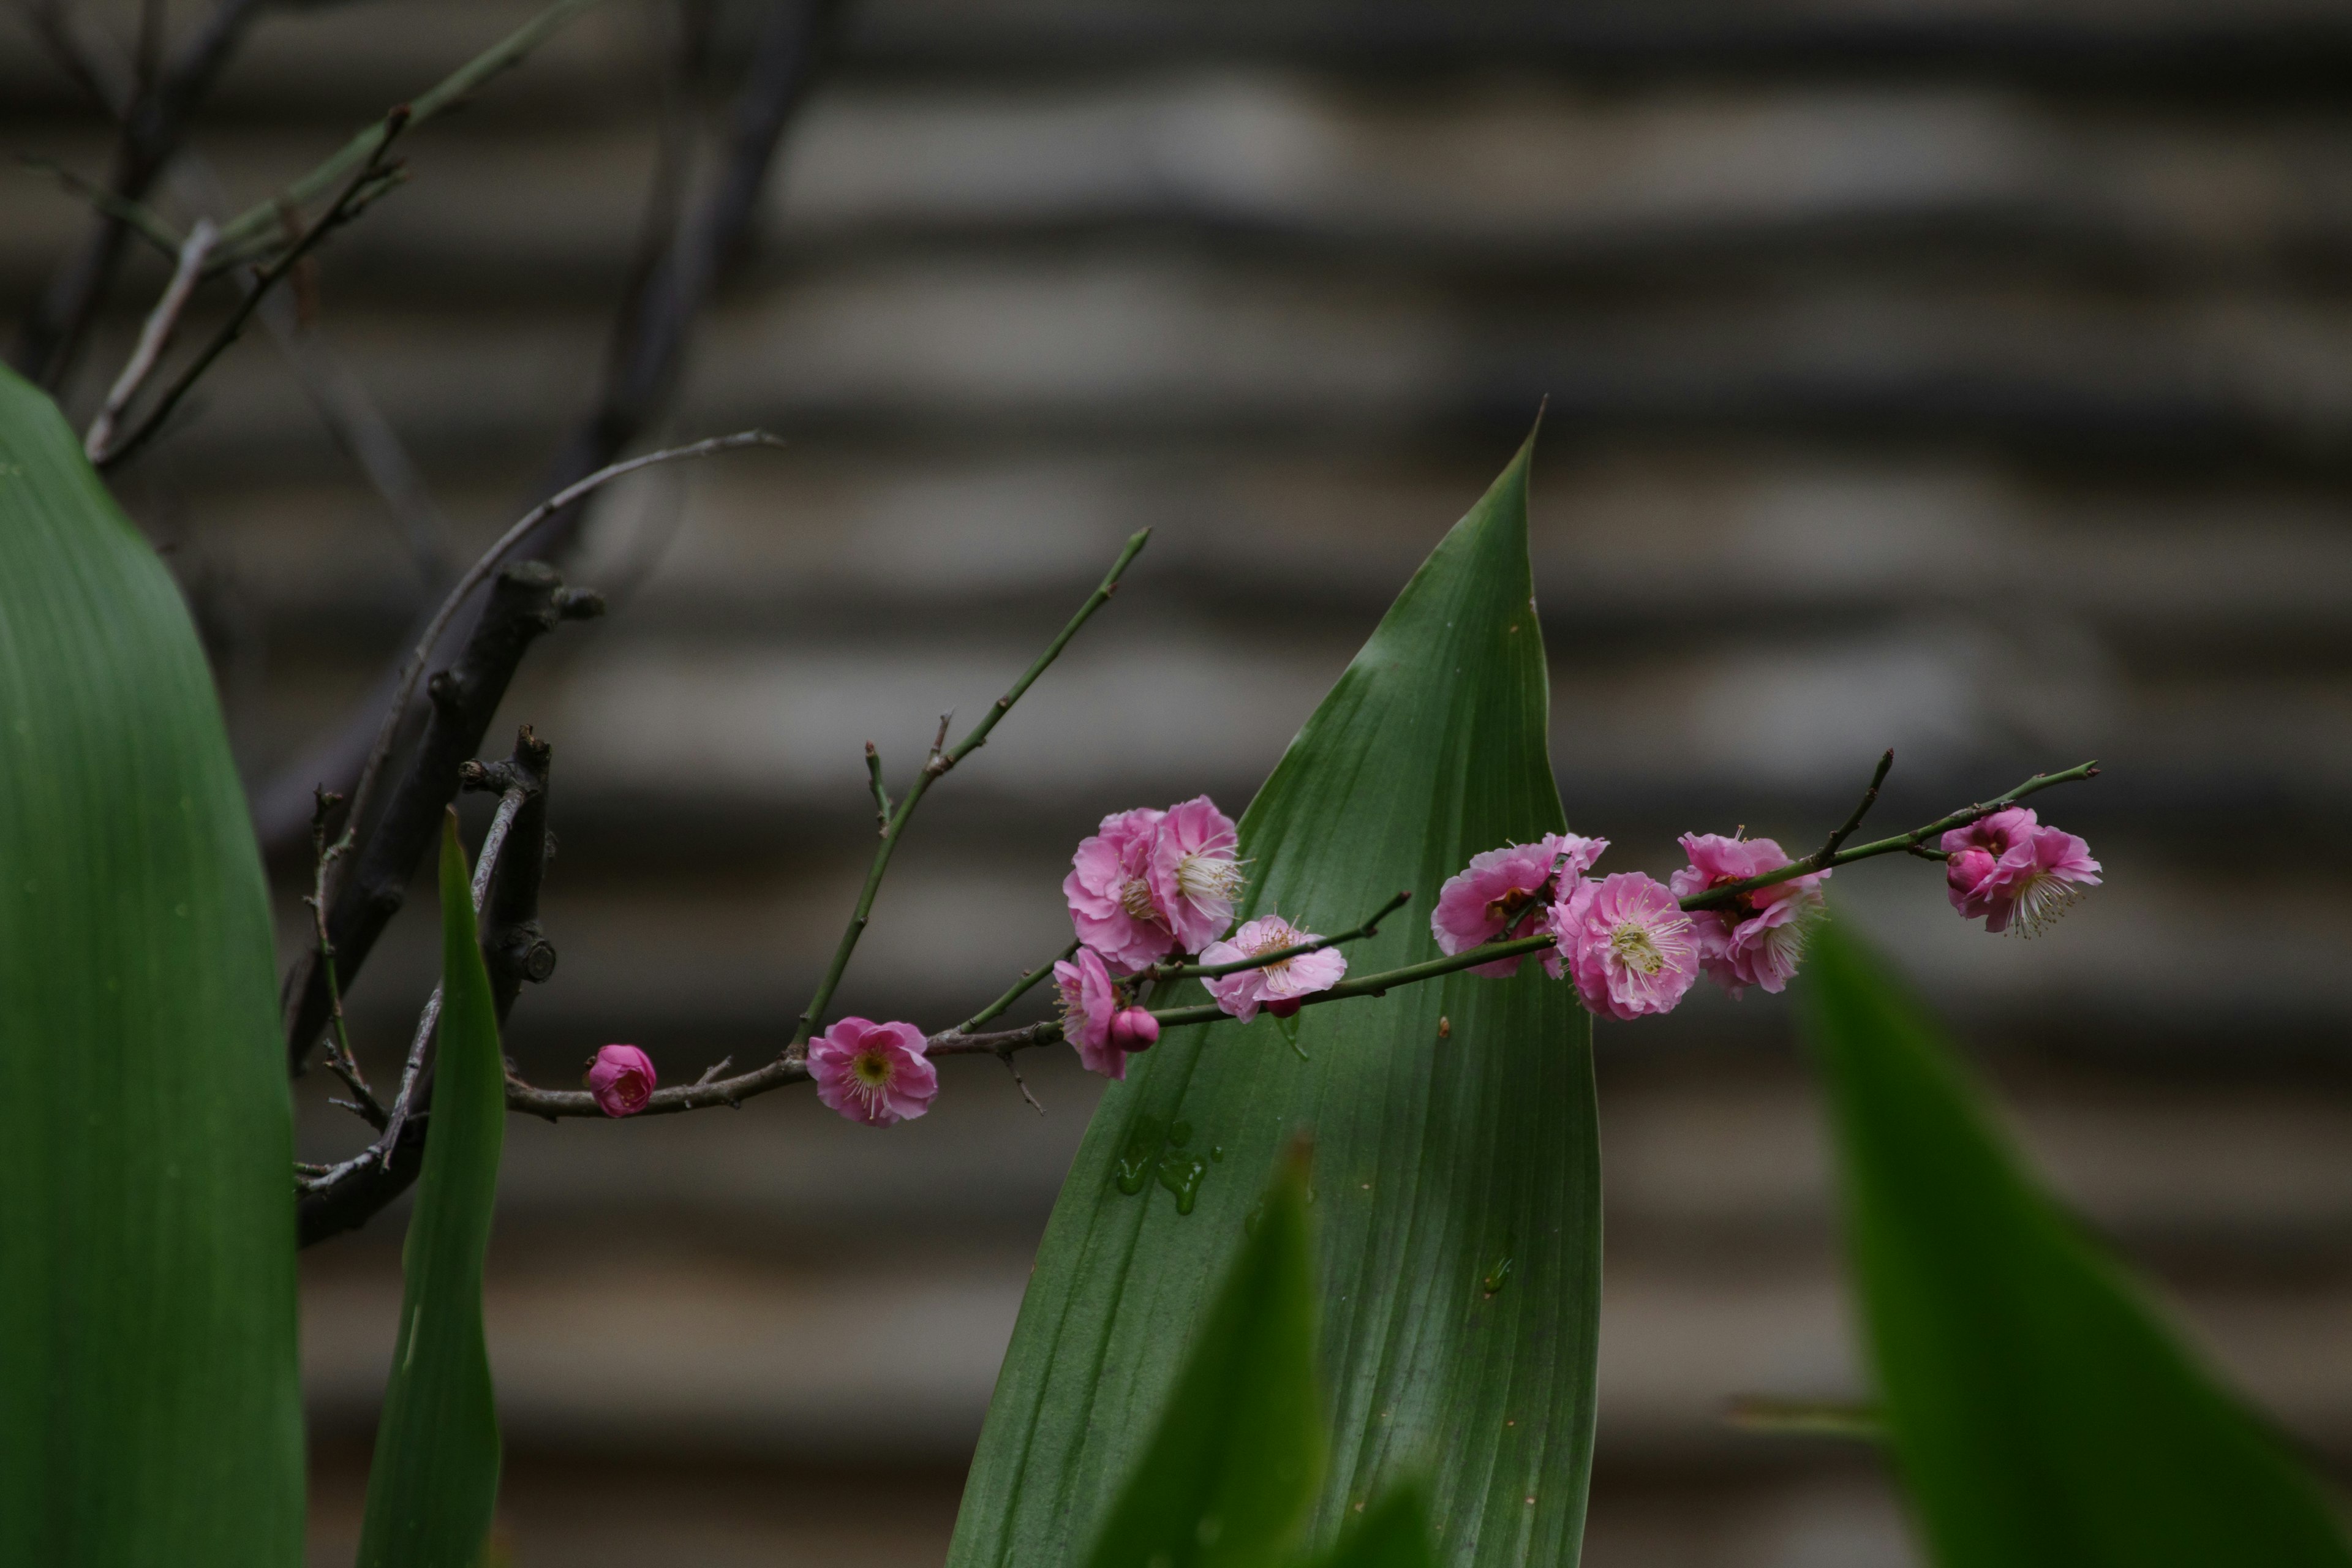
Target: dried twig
(373,175)
(152,336)
(340,1058)
(155,125)
(527,601)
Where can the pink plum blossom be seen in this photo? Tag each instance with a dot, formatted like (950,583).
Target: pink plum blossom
(1756,939)
(2018,874)
(1629,945)
(1499,890)
(1135,1030)
(1279,985)
(1194,876)
(1089,1003)
(622,1079)
(1109,891)
(874,1073)
(1974,852)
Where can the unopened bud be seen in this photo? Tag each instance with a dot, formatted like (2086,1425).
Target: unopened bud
(622,1079)
(1284,1007)
(1134,1029)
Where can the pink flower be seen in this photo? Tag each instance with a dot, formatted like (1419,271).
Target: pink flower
(1756,939)
(1194,876)
(1111,903)
(2019,875)
(1974,853)
(1278,985)
(1629,944)
(874,1073)
(1135,1030)
(1089,1003)
(1501,888)
(622,1079)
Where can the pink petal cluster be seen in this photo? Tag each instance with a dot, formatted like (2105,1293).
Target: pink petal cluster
(1089,1007)
(1630,947)
(1500,890)
(1757,939)
(622,1079)
(874,1073)
(1155,882)
(1279,985)
(2014,873)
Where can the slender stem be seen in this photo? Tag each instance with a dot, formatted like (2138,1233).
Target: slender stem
(1901,843)
(1020,988)
(485,865)
(262,217)
(1380,984)
(881,794)
(1268,959)
(936,767)
(338,213)
(1869,798)
(152,336)
(339,1058)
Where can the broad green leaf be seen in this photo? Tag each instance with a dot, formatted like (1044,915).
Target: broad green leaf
(1233,1463)
(2041,1411)
(1453,1124)
(435,1478)
(149,1404)
(1394,1534)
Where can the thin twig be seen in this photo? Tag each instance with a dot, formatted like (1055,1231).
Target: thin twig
(493,842)
(480,572)
(937,767)
(1869,798)
(1269,959)
(1901,843)
(256,223)
(339,1058)
(344,208)
(152,336)
(1019,1082)
(1020,988)
(881,794)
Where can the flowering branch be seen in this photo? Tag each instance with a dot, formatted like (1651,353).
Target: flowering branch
(1830,854)
(936,766)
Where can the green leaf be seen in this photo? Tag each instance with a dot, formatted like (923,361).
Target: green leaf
(1444,1159)
(1234,1460)
(2041,1411)
(149,1410)
(1394,1534)
(434,1479)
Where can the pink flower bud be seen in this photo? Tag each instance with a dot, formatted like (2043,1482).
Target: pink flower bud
(1284,1007)
(1135,1030)
(622,1079)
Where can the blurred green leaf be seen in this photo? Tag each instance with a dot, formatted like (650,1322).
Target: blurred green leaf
(149,1404)
(1444,1160)
(1394,1534)
(1233,1462)
(2041,1412)
(434,1479)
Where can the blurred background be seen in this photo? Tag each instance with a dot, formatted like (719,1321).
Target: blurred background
(1968,376)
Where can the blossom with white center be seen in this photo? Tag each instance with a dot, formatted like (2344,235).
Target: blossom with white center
(1628,943)
(1279,985)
